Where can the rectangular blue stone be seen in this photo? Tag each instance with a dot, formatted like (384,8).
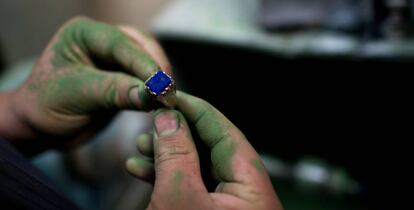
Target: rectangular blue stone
(158,82)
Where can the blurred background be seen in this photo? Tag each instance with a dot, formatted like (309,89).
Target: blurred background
(299,77)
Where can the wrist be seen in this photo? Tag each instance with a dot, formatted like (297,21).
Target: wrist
(12,125)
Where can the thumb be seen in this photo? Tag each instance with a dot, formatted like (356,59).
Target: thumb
(177,168)
(122,91)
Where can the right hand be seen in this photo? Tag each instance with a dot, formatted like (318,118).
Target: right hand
(244,184)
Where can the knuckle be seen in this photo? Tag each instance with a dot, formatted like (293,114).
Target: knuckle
(110,92)
(175,153)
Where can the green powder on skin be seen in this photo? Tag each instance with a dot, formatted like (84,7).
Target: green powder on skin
(222,155)
(84,38)
(177,180)
(257,163)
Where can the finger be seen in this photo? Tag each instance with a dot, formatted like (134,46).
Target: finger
(145,145)
(234,159)
(141,168)
(176,160)
(106,42)
(150,45)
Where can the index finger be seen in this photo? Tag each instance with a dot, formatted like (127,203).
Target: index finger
(150,45)
(234,159)
(107,42)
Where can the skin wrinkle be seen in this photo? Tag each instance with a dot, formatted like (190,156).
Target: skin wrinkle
(222,155)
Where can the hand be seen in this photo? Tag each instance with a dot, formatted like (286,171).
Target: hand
(178,184)
(72,93)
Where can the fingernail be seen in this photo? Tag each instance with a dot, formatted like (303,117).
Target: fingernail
(166,123)
(134,97)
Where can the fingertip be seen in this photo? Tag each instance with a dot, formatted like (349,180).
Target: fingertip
(130,165)
(134,98)
(145,145)
(140,168)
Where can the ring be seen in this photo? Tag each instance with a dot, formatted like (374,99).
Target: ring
(162,86)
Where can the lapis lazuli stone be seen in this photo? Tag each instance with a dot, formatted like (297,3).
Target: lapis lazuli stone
(158,83)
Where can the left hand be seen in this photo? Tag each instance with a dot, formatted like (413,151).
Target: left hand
(69,95)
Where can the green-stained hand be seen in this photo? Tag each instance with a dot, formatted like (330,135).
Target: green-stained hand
(178,184)
(70,94)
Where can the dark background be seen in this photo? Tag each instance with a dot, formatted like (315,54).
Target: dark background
(347,111)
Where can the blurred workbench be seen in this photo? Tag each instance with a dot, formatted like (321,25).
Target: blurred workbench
(236,23)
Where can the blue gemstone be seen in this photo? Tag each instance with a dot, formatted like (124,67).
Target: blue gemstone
(159,82)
